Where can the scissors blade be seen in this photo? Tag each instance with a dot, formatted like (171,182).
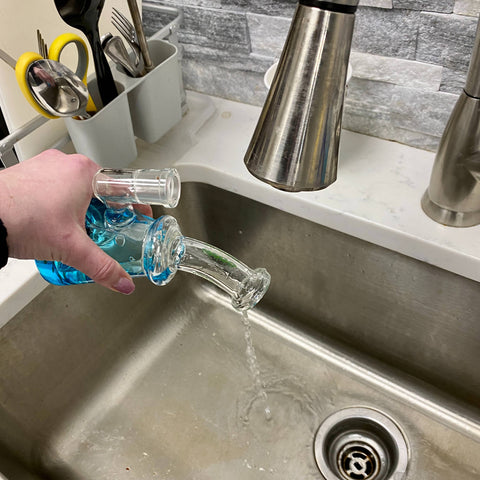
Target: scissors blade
(7,58)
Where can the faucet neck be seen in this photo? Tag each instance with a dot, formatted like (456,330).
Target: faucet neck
(472,86)
(296,142)
(339,6)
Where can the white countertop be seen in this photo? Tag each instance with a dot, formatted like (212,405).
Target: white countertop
(376,196)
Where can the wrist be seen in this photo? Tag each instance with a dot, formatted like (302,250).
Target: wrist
(8,210)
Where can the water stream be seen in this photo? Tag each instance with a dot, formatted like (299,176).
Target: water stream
(254,368)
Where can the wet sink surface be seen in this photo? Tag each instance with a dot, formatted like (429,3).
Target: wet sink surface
(157,385)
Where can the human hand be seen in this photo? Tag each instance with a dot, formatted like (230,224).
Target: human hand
(43,203)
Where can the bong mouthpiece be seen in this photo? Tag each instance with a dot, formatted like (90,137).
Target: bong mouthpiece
(120,187)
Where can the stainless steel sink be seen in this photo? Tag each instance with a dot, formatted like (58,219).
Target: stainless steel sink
(95,385)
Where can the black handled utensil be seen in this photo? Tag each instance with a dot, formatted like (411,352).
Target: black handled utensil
(84,15)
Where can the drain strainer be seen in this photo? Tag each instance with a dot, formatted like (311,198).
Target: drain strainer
(358,460)
(360,444)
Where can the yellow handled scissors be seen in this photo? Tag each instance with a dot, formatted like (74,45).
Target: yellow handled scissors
(54,53)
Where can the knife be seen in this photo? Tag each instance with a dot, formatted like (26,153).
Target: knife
(7,58)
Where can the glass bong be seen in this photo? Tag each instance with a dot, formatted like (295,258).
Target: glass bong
(154,248)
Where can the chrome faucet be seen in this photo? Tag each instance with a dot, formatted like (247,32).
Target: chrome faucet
(453,196)
(295,144)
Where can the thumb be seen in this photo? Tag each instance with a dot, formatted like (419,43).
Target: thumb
(90,259)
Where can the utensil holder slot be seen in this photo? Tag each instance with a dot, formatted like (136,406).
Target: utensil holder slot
(107,137)
(155,99)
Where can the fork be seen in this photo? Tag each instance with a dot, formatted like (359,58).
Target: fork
(42,46)
(125,27)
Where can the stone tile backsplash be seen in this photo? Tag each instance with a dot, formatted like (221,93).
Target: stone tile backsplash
(409,58)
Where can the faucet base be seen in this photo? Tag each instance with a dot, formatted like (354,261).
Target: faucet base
(450,218)
(294,188)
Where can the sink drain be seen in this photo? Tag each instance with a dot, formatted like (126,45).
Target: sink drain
(360,444)
(358,461)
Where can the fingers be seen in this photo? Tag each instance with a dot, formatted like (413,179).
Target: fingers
(100,267)
(144,209)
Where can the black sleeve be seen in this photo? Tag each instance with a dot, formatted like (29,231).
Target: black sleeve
(3,245)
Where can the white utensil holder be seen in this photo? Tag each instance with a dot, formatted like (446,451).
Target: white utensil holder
(146,107)
(107,137)
(155,99)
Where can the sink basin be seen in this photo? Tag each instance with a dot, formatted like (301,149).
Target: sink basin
(95,385)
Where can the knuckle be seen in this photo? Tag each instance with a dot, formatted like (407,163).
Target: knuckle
(64,238)
(104,271)
(62,243)
(53,152)
(81,161)
(82,164)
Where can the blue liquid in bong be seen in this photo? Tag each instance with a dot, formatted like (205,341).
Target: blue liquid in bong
(125,247)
